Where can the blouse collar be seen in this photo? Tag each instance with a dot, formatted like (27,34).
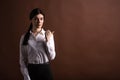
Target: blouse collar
(41,32)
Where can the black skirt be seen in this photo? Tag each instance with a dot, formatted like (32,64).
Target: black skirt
(40,72)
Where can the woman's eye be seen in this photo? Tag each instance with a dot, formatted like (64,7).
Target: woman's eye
(41,18)
(35,19)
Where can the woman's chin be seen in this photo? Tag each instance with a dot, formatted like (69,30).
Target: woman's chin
(39,26)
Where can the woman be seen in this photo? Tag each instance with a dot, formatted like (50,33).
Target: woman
(37,49)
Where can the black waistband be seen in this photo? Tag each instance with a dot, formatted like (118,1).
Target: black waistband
(38,64)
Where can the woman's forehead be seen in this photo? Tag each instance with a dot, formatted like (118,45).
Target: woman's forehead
(39,16)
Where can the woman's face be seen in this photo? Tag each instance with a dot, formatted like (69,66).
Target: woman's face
(37,21)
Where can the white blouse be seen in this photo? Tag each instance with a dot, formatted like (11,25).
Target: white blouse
(38,51)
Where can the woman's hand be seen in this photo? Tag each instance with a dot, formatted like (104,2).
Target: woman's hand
(48,34)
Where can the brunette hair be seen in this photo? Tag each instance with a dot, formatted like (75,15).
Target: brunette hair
(33,13)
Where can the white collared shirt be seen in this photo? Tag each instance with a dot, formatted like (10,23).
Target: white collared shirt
(38,51)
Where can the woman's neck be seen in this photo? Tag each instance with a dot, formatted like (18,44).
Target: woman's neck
(36,31)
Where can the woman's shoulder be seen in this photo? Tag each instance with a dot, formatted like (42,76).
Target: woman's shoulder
(22,36)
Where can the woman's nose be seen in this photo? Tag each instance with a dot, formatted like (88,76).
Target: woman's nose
(38,20)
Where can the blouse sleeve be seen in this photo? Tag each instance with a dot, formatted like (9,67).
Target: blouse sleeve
(23,60)
(51,48)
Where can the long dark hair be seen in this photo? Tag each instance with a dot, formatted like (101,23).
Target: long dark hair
(33,13)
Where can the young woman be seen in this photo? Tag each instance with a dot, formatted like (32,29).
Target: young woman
(37,49)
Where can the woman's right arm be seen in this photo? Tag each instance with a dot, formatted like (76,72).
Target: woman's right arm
(23,60)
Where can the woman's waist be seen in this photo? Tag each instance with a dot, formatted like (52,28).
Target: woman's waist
(38,61)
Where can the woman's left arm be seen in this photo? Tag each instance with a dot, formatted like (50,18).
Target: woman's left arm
(50,44)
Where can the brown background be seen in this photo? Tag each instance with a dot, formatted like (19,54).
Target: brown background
(87,37)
